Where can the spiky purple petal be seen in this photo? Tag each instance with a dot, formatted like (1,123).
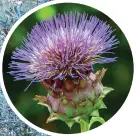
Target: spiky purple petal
(67,45)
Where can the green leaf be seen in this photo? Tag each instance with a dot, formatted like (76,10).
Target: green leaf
(70,111)
(46,105)
(70,123)
(76,119)
(103,106)
(98,103)
(54,116)
(89,108)
(80,110)
(107,90)
(96,119)
(95,113)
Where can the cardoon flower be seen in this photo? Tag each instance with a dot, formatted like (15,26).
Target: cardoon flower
(60,53)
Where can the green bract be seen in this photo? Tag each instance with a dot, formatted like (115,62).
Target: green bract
(79,104)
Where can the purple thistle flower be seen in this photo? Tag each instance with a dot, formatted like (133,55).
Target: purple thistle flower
(66,45)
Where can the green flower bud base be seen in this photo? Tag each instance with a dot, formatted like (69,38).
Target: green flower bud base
(84,112)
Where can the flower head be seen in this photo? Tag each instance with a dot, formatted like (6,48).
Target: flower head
(60,53)
(65,46)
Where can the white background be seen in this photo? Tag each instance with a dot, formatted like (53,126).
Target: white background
(123,13)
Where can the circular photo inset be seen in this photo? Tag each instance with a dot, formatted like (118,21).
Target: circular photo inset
(67,68)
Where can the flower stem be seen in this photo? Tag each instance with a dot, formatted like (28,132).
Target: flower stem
(84,125)
(96,119)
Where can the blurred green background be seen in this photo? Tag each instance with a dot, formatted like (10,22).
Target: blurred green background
(119,75)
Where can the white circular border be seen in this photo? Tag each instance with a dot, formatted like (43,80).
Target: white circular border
(116,10)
